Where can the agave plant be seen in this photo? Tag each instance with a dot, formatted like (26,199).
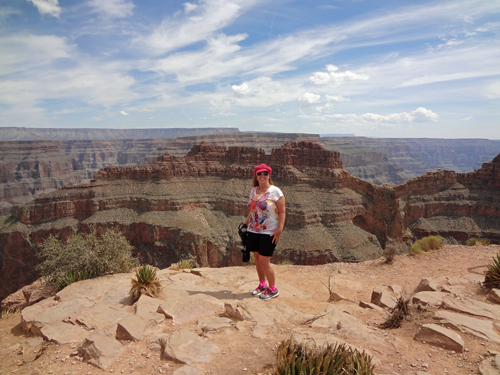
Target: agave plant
(338,359)
(146,282)
(492,278)
(72,277)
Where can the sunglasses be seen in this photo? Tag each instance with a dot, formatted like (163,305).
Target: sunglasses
(262,173)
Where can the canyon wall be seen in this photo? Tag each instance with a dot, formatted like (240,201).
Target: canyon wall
(189,207)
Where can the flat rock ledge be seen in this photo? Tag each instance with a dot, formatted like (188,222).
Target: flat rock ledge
(97,317)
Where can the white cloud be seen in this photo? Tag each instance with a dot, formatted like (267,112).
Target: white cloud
(395,119)
(206,20)
(240,90)
(307,99)
(50,7)
(188,7)
(335,77)
(124,113)
(336,98)
(25,52)
(493,90)
(112,8)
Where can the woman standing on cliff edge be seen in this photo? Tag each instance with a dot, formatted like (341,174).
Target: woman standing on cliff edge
(265,224)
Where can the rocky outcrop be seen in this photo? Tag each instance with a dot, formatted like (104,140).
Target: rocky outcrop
(189,207)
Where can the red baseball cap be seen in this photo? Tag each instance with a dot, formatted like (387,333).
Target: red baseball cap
(261,168)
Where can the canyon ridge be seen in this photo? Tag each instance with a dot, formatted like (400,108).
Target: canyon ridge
(188,207)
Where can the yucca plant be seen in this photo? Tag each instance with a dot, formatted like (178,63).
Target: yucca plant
(337,359)
(72,277)
(492,278)
(146,283)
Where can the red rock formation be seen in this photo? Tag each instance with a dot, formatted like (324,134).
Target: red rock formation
(189,206)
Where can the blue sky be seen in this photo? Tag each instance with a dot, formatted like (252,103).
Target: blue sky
(370,68)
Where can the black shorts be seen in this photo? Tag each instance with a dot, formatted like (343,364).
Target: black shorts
(261,243)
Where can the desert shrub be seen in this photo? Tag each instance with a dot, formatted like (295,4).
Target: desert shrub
(146,282)
(85,254)
(338,359)
(397,314)
(426,244)
(286,262)
(478,242)
(183,264)
(471,242)
(492,277)
(73,277)
(389,254)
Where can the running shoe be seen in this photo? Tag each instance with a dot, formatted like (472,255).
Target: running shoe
(268,294)
(259,290)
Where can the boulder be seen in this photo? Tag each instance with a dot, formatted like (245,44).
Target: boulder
(440,336)
(131,328)
(477,327)
(62,333)
(38,290)
(147,308)
(490,366)
(14,302)
(385,296)
(100,349)
(186,347)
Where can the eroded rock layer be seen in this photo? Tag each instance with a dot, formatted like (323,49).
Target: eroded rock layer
(189,207)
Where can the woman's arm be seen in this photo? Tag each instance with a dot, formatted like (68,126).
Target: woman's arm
(280,205)
(247,220)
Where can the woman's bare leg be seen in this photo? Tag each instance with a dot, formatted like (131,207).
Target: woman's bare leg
(260,270)
(264,263)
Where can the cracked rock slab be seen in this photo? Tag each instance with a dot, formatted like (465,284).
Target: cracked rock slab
(477,327)
(187,347)
(440,336)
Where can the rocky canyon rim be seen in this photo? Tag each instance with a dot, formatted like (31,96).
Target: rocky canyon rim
(248,353)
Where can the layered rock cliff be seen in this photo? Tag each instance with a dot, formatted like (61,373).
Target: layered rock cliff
(189,207)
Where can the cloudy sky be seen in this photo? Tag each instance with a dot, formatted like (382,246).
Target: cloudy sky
(370,68)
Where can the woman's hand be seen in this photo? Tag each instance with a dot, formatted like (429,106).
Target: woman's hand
(276,236)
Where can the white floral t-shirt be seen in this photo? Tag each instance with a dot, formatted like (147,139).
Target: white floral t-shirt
(263,210)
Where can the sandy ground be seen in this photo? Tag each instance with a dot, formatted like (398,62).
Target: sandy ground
(243,353)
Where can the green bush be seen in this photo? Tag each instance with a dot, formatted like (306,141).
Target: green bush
(338,359)
(492,278)
(85,255)
(478,242)
(426,244)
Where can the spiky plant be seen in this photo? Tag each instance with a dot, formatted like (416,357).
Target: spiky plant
(72,277)
(183,264)
(337,359)
(146,283)
(492,278)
